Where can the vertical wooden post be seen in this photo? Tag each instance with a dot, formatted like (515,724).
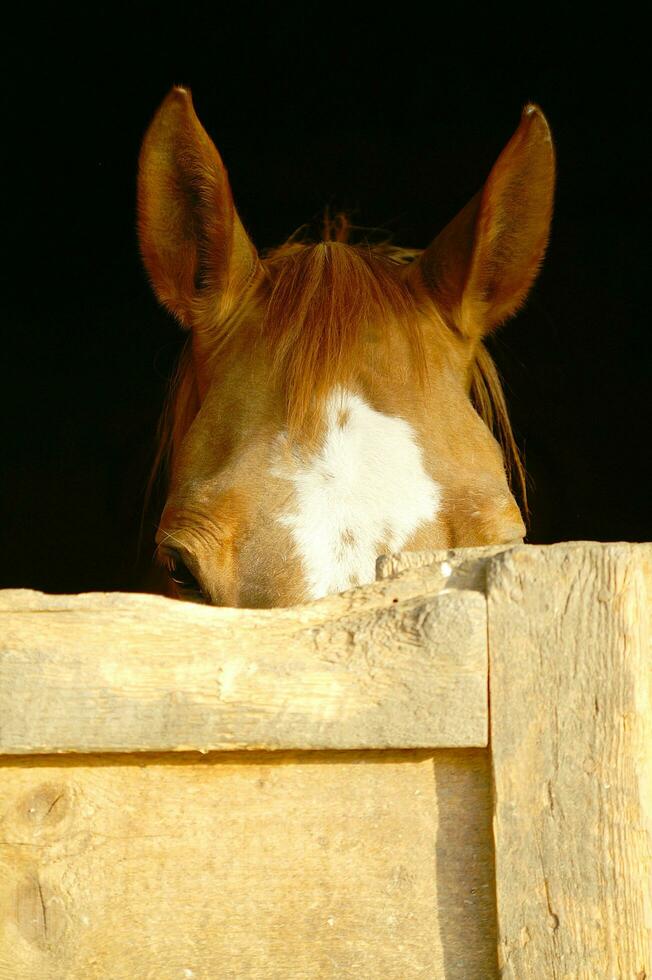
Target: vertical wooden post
(570,672)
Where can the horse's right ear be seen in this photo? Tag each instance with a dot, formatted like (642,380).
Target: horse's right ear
(192,241)
(480,268)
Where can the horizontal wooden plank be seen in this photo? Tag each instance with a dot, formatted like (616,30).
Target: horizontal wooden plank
(256,866)
(401,663)
(448,559)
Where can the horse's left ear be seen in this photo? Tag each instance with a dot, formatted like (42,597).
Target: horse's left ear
(191,238)
(480,268)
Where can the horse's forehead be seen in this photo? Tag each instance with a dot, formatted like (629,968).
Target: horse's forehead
(363,492)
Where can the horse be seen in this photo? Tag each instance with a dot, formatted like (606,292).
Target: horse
(335,400)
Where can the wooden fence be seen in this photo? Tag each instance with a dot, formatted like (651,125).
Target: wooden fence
(445,774)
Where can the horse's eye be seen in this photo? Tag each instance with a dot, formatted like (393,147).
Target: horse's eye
(182,576)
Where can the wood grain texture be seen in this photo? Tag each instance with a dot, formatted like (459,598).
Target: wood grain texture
(571,744)
(247,866)
(335,864)
(393,566)
(395,664)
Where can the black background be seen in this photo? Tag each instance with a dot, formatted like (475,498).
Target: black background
(397,116)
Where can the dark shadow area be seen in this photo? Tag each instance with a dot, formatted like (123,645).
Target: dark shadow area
(466,876)
(283,757)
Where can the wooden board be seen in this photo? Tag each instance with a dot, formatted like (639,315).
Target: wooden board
(247,867)
(571,743)
(373,865)
(396,664)
(442,561)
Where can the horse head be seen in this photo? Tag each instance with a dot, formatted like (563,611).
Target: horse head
(335,401)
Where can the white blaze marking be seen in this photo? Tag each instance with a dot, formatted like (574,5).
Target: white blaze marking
(365,489)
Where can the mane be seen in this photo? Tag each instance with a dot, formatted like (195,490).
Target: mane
(324,295)
(488,399)
(321,296)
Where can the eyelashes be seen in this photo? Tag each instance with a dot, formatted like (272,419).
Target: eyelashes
(186,584)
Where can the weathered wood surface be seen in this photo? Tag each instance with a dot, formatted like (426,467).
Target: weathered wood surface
(396,664)
(336,864)
(469,565)
(275,866)
(571,744)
